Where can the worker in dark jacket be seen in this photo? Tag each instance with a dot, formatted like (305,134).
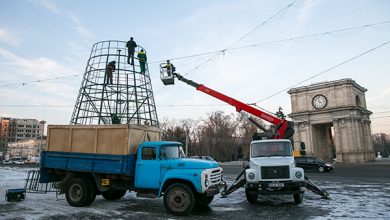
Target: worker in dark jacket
(131,45)
(142,60)
(115,119)
(170,68)
(110,68)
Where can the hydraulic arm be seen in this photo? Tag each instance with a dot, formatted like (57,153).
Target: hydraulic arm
(283,130)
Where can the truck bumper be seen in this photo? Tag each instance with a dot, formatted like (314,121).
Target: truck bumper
(215,189)
(272,188)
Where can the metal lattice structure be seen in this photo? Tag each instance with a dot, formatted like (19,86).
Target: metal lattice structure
(128,100)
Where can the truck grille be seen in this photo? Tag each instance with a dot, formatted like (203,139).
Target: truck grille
(215,177)
(279,172)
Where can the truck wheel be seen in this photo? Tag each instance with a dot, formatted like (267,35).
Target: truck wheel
(113,194)
(298,198)
(78,192)
(93,190)
(321,169)
(252,198)
(203,200)
(179,199)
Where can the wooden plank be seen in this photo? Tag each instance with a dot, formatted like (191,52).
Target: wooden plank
(100,139)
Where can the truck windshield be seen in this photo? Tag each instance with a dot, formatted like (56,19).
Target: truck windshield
(269,149)
(171,152)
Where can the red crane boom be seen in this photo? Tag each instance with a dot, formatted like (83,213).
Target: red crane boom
(283,130)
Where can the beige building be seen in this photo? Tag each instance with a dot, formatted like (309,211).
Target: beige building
(15,129)
(332,119)
(26,148)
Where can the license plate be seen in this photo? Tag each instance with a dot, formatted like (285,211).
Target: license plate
(276,184)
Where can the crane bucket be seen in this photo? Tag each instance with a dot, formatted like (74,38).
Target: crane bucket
(166,74)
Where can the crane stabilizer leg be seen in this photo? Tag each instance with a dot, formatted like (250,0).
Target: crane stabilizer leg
(238,183)
(312,187)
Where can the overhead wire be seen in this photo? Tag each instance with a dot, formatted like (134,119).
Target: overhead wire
(40,80)
(347,12)
(263,23)
(223,51)
(244,36)
(325,71)
(286,39)
(217,52)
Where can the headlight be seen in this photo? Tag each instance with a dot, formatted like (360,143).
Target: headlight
(206,180)
(298,174)
(251,176)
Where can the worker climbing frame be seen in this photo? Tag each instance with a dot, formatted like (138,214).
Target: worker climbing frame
(128,99)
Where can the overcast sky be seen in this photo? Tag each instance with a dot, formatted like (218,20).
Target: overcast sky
(44,39)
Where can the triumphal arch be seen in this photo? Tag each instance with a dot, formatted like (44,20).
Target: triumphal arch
(332,119)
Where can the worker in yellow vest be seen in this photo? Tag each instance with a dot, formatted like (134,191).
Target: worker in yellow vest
(142,60)
(170,68)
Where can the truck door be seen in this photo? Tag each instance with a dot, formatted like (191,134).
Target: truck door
(147,172)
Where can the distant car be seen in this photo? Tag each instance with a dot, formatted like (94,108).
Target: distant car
(6,162)
(203,157)
(19,162)
(313,163)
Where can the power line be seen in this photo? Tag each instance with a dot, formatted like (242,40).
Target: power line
(325,71)
(387,116)
(347,12)
(321,33)
(380,112)
(244,36)
(39,80)
(36,106)
(69,106)
(217,52)
(278,41)
(263,23)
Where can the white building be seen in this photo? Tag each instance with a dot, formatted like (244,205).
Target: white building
(28,149)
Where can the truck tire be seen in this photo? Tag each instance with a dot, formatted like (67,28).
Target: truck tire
(298,198)
(321,169)
(113,194)
(252,198)
(202,200)
(78,192)
(179,199)
(93,190)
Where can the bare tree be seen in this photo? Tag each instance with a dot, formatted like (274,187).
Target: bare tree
(222,136)
(381,143)
(171,131)
(245,130)
(217,136)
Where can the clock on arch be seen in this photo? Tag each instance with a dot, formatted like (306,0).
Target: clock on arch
(319,101)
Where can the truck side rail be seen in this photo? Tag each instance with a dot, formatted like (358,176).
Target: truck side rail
(86,162)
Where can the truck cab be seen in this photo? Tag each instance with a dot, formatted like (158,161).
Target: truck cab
(272,170)
(163,169)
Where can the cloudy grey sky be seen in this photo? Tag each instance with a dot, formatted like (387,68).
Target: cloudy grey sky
(45,39)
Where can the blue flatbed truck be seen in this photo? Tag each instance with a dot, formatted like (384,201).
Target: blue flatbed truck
(152,169)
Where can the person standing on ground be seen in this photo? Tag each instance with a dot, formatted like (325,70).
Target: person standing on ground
(142,60)
(110,68)
(131,45)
